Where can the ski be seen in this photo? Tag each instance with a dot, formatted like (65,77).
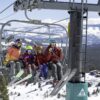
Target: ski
(46,81)
(64,76)
(24,79)
(20,73)
(36,78)
(63,81)
(32,91)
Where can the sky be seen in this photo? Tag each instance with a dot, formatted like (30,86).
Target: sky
(37,14)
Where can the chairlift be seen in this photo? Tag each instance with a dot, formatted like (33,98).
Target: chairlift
(37,32)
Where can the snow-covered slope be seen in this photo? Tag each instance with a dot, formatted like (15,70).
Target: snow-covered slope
(31,92)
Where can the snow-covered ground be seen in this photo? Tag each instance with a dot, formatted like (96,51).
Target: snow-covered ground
(21,92)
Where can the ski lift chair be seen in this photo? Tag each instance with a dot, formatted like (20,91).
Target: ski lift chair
(42,25)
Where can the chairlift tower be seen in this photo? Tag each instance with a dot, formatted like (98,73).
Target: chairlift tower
(76,88)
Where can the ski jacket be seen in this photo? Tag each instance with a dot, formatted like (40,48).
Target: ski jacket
(40,59)
(48,54)
(27,58)
(13,53)
(53,54)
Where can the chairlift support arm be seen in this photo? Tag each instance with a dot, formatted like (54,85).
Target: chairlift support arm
(56,5)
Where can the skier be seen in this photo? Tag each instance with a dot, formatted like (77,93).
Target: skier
(54,55)
(28,60)
(29,67)
(12,57)
(40,61)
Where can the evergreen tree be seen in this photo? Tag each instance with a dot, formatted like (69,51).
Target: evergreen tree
(3,88)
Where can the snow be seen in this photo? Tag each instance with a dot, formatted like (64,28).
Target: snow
(20,92)
(39,94)
(94,98)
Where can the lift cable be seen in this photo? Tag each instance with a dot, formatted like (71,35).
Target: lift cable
(6,8)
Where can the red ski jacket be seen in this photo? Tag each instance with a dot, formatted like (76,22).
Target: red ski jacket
(53,54)
(40,59)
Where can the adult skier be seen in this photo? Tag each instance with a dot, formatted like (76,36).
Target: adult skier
(40,61)
(54,56)
(12,57)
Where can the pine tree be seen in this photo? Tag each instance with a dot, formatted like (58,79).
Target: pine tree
(3,88)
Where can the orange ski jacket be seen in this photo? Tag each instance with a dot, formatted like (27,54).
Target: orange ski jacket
(13,54)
